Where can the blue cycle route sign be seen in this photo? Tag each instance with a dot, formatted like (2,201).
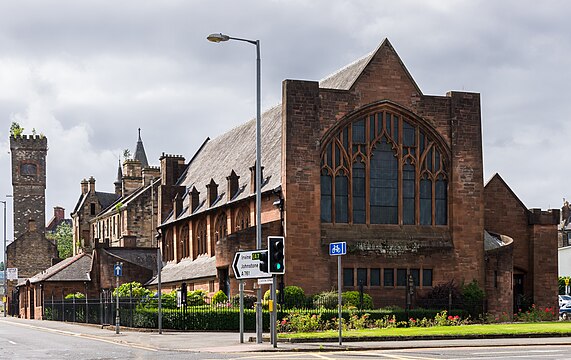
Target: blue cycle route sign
(338,248)
(118,270)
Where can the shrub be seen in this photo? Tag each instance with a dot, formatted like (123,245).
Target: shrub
(473,298)
(168,300)
(302,322)
(249,301)
(293,297)
(196,297)
(352,299)
(326,300)
(76,295)
(535,314)
(268,294)
(134,289)
(440,295)
(219,297)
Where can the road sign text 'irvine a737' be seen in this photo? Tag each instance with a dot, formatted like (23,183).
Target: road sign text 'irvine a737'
(246,265)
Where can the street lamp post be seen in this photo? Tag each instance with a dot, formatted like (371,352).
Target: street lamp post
(5,260)
(219,38)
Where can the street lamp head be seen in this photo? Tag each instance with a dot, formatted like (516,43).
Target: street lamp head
(218,37)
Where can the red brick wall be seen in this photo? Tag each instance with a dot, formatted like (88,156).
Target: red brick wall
(499,282)
(535,240)
(545,266)
(309,113)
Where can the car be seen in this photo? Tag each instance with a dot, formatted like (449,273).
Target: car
(564,300)
(565,312)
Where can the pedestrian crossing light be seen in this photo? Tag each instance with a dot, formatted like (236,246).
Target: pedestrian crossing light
(276,255)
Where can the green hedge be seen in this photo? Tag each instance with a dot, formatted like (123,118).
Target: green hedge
(198,318)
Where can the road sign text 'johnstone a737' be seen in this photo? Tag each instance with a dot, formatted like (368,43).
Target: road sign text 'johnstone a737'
(246,265)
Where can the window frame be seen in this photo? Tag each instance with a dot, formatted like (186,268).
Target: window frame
(417,148)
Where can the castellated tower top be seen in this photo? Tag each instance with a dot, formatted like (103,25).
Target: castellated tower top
(29,142)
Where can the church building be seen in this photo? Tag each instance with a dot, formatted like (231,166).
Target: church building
(364,157)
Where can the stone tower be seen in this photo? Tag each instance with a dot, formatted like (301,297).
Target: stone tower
(30,251)
(29,182)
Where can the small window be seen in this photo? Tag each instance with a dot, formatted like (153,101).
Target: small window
(427,277)
(375,277)
(362,277)
(389,277)
(348,277)
(28,169)
(401,277)
(92,209)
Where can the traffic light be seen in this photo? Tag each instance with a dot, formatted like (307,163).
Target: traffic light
(264,261)
(276,255)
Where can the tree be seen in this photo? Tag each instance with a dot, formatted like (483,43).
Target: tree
(2,266)
(16,129)
(64,240)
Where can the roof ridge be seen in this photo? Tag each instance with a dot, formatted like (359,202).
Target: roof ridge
(353,63)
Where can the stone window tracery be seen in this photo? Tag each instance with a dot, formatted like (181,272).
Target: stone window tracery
(384,168)
(220,226)
(242,219)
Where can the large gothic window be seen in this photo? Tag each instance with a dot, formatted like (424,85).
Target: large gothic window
(383,168)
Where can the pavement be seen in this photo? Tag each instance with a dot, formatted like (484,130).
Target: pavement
(229,342)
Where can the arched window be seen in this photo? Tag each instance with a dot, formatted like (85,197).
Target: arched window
(168,246)
(183,242)
(200,239)
(384,168)
(242,219)
(220,227)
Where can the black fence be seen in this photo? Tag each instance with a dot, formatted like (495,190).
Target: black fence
(207,315)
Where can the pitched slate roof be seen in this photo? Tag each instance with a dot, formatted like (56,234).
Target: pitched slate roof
(202,267)
(235,150)
(105,200)
(53,224)
(495,241)
(144,257)
(344,78)
(127,199)
(75,268)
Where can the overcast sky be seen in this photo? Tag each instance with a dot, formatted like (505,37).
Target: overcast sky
(87,74)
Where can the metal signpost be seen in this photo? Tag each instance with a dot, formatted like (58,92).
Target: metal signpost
(246,265)
(338,249)
(117,271)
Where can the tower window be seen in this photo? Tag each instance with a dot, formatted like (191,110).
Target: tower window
(28,169)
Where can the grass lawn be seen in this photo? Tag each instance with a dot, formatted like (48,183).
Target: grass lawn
(556,327)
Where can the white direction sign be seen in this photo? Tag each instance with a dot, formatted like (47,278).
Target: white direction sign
(246,265)
(12,273)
